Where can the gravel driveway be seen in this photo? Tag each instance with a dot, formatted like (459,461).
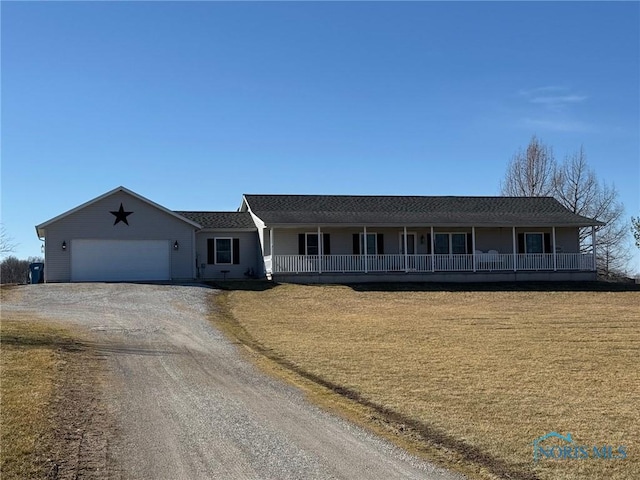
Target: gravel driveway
(189,406)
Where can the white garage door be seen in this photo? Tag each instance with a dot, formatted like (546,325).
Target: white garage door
(119,260)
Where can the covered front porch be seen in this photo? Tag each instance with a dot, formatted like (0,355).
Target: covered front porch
(424,250)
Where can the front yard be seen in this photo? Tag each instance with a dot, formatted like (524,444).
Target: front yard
(469,378)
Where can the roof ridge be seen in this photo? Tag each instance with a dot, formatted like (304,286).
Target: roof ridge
(389,196)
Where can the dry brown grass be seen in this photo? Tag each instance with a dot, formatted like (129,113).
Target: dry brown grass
(49,382)
(469,378)
(29,369)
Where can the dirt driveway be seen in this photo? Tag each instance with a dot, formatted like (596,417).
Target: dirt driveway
(187,405)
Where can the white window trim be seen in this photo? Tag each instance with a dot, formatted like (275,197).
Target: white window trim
(375,239)
(534,233)
(215,253)
(415,242)
(451,242)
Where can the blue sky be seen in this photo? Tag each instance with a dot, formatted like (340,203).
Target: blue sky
(192,104)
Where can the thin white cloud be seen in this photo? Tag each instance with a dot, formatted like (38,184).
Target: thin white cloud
(556,125)
(541,90)
(553,97)
(552,108)
(558,99)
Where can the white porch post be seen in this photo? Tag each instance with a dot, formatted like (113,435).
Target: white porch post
(320,252)
(273,257)
(406,263)
(515,255)
(553,245)
(473,246)
(364,241)
(433,251)
(593,245)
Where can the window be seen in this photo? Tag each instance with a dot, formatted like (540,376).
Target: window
(455,243)
(375,243)
(223,251)
(372,244)
(459,243)
(534,243)
(311,244)
(308,244)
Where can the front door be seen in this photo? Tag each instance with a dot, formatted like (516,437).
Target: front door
(411,243)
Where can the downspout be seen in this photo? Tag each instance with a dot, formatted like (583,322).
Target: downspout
(44,253)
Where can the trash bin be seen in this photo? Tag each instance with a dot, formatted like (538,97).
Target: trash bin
(36,272)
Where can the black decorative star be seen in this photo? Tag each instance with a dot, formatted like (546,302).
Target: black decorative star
(121,215)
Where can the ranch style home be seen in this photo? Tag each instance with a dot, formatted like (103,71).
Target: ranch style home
(122,236)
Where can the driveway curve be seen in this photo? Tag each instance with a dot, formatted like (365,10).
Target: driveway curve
(189,406)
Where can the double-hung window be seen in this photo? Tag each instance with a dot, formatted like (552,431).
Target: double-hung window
(223,251)
(450,243)
(372,243)
(311,244)
(534,243)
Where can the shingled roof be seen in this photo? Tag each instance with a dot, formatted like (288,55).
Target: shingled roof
(220,219)
(413,210)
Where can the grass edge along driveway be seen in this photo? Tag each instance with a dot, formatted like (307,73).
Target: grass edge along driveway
(49,386)
(467,378)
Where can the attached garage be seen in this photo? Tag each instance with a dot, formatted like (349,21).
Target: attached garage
(120,260)
(119,237)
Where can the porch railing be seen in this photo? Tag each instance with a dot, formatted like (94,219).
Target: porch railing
(427,263)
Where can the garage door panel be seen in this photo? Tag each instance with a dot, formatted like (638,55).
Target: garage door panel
(119,260)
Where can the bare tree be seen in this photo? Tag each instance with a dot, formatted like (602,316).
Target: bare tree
(14,270)
(635,229)
(576,186)
(531,172)
(7,245)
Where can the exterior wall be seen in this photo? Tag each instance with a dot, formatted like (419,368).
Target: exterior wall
(250,255)
(286,239)
(500,239)
(567,240)
(96,222)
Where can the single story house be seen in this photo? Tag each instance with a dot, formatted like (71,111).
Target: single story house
(122,236)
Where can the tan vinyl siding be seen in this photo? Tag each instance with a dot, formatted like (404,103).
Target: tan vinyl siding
(567,240)
(250,256)
(96,222)
(500,239)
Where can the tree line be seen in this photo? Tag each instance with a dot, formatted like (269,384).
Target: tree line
(13,269)
(534,172)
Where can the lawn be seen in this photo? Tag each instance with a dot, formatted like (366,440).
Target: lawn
(46,374)
(29,368)
(468,378)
